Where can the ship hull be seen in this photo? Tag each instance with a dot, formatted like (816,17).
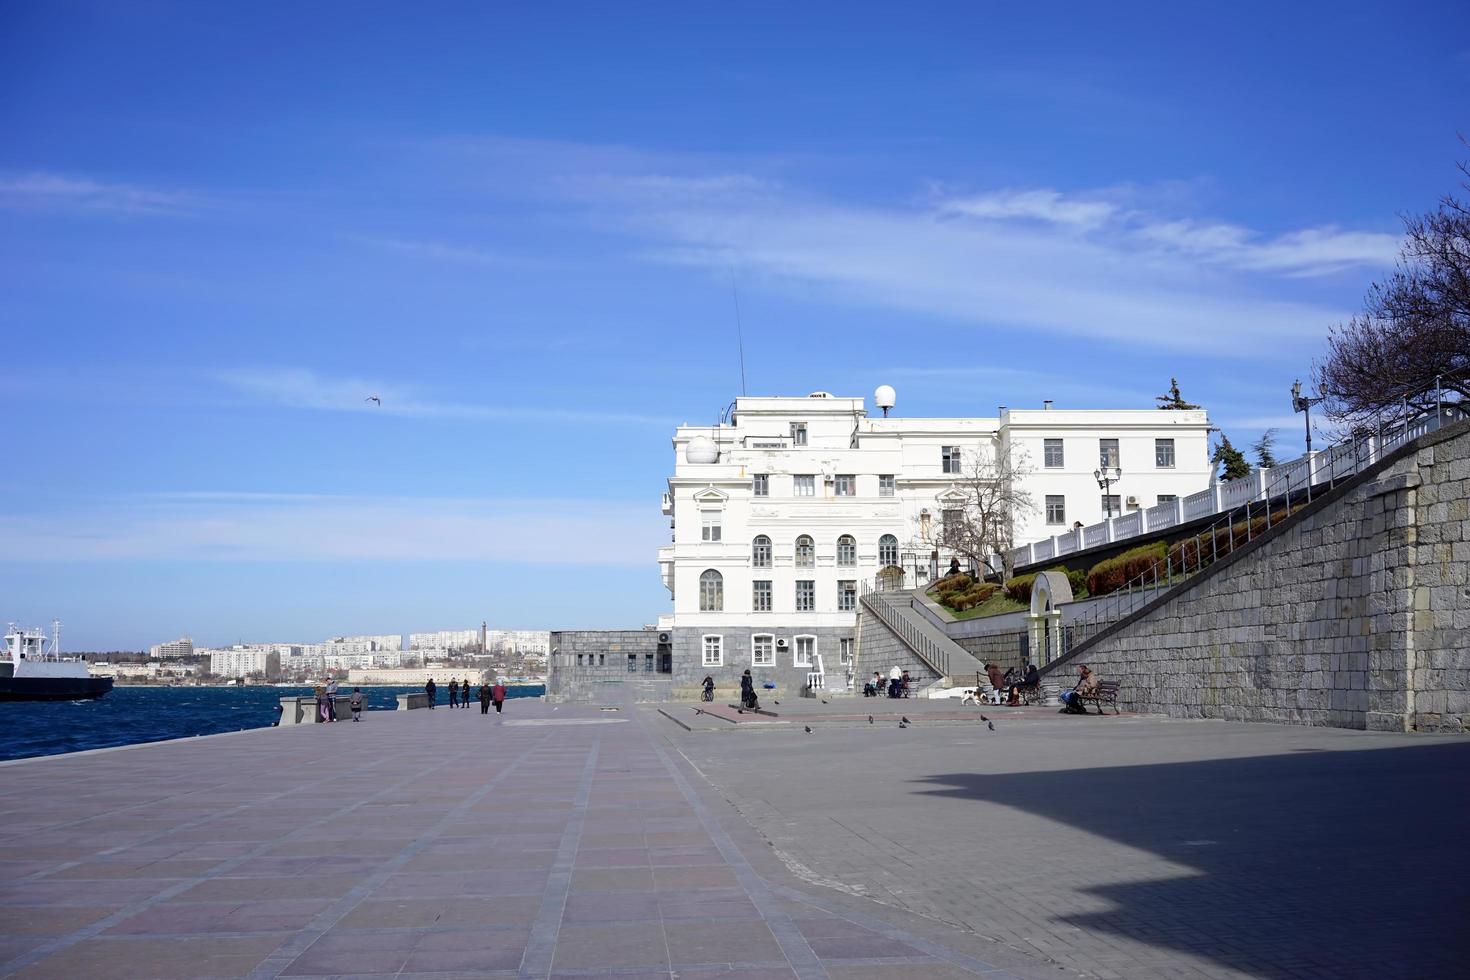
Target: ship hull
(53,688)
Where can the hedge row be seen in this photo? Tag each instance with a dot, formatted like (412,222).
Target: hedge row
(1112,574)
(960,592)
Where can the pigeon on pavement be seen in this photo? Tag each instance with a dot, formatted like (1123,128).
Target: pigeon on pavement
(906,720)
(990,725)
(870,719)
(902,725)
(807,729)
(982,717)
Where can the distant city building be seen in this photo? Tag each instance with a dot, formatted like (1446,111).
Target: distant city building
(242,661)
(445,640)
(174,648)
(413,676)
(520,642)
(387,643)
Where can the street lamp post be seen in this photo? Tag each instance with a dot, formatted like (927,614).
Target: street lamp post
(1301,403)
(1106,476)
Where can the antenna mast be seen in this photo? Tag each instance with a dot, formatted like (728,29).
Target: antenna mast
(739,331)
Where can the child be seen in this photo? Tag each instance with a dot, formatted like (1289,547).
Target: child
(355,702)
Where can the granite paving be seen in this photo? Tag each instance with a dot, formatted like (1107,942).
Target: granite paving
(552,841)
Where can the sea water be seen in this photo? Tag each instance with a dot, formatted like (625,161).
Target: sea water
(149,714)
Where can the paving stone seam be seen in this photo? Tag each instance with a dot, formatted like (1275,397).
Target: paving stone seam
(794,946)
(540,951)
(280,960)
(93,929)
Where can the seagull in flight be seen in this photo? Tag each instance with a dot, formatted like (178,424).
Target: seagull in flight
(375,399)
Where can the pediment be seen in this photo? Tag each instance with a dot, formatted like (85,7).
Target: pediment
(711,499)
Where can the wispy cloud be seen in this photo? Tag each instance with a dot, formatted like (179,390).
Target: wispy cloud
(303,388)
(448,252)
(1040,205)
(50,191)
(227,526)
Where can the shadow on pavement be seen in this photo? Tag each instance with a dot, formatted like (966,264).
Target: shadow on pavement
(1341,863)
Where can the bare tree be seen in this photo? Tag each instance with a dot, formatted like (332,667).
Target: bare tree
(980,510)
(1415,325)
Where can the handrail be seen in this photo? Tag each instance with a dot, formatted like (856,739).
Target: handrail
(1389,427)
(927,650)
(1294,481)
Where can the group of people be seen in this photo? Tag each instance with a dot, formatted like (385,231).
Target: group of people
(897,685)
(326,701)
(460,696)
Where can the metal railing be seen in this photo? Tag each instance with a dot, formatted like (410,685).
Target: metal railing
(1379,433)
(1283,490)
(882,605)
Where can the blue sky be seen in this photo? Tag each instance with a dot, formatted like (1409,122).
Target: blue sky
(222,227)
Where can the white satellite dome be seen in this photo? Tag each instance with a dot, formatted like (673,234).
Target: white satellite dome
(884,396)
(701,449)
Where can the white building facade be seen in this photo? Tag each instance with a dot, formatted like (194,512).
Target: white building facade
(183,647)
(780,514)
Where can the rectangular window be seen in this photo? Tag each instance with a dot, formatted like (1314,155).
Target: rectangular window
(1053,456)
(1168,498)
(579,660)
(1110,505)
(798,433)
(632,663)
(949,457)
(804,485)
(846,595)
(714,651)
(806,595)
(761,485)
(762,650)
(601,660)
(1056,509)
(1107,452)
(886,485)
(648,663)
(805,647)
(760,595)
(709,529)
(1164,453)
(845,486)
(844,650)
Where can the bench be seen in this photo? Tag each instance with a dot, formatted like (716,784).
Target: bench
(1106,693)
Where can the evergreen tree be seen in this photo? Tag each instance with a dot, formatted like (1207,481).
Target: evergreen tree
(1232,459)
(1265,458)
(1173,400)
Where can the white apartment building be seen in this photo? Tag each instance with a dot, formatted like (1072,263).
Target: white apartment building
(778,514)
(341,645)
(240,661)
(444,640)
(183,647)
(520,642)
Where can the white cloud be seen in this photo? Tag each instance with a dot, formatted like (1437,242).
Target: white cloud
(302,388)
(226,526)
(1041,205)
(447,252)
(48,191)
(1307,252)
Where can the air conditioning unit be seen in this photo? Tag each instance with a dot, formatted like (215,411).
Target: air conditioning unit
(781,643)
(1132,501)
(664,639)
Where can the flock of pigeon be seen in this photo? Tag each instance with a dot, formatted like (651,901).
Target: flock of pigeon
(903,721)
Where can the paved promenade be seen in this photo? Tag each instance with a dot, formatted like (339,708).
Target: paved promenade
(555,842)
(573,842)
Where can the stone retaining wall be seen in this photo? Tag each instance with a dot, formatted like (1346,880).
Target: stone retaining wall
(1356,615)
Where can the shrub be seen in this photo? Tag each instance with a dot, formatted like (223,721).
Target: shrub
(1114,573)
(1190,553)
(1019,588)
(954,583)
(960,600)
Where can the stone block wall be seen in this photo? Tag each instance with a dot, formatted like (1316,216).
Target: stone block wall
(592,665)
(786,674)
(1355,615)
(881,650)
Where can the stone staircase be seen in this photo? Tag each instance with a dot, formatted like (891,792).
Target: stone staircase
(892,633)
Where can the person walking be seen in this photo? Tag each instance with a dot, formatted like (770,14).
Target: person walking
(747,691)
(484,699)
(453,693)
(355,703)
(331,698)
(431,689)
(497,694)
(320,691)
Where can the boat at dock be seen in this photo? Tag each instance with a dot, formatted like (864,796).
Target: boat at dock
(33,670)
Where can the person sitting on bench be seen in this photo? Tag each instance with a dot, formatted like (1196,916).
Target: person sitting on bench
(874,687)
(1086,686)
(1029,682)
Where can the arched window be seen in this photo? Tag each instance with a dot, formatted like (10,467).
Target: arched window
(888,550)
(847,550)
(760,551)
(711,591)
(806,552)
